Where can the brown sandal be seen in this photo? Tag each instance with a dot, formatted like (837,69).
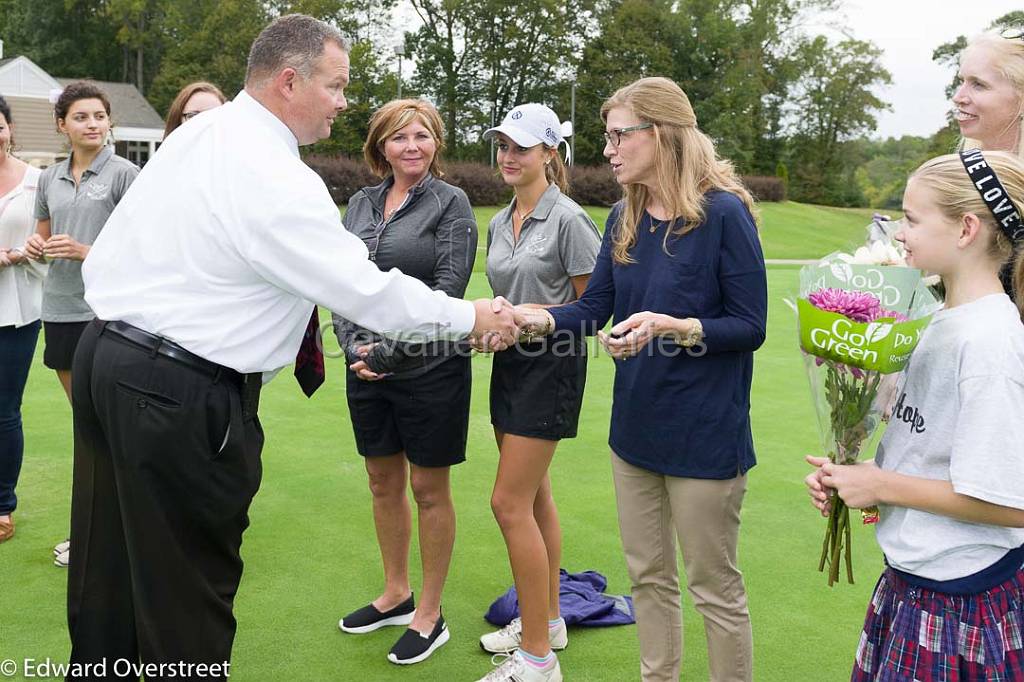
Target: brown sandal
(7,529)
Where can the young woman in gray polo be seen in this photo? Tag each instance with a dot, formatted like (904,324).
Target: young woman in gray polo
(75,198)
(409,402)
(541,249)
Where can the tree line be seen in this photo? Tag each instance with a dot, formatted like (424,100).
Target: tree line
(777,98)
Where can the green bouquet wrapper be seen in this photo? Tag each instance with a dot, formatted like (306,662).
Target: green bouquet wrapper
(858,326)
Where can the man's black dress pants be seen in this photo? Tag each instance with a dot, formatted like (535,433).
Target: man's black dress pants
(167,460)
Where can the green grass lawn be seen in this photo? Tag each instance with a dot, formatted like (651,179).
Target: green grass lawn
(792,230)
(311,555)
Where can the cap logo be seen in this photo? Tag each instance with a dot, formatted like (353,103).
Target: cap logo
(550,134)
(516,115)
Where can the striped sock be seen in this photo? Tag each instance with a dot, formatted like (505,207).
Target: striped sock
(552,624)
(538,662)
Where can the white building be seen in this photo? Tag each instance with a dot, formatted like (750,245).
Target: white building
(137,130)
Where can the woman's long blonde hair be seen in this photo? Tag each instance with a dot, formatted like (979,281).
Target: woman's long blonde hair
(685,160)
(1008,59)
(956,196)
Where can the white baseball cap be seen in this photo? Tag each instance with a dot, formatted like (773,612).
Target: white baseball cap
(532,124)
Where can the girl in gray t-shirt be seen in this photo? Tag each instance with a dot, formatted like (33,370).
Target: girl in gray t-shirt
(948,474)
(75,198)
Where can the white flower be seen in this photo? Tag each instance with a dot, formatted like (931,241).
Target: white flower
(876,253)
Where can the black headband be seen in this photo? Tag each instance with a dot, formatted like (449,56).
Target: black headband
(993,194)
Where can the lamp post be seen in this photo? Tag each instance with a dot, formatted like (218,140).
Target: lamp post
(572,117)
(492,139)
(400,52)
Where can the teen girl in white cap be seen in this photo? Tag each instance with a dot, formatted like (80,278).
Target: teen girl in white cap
(541,249)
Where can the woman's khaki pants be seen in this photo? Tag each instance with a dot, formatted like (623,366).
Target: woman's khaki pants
(654,510)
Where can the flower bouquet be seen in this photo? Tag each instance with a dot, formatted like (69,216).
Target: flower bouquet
(858,323)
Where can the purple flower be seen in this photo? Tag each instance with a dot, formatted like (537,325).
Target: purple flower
(859,306)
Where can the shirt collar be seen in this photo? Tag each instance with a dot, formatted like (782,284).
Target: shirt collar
(95,167)
(546,203)
(251,105)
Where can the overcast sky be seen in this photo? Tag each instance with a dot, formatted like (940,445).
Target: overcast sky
(908,31)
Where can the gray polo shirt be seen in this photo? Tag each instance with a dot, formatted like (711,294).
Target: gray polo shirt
(79,211)
(557,241)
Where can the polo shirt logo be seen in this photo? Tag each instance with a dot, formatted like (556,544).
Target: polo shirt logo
(536,245)
(97,191)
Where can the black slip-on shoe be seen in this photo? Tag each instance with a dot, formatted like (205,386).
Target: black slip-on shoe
(413,647)
(368,618)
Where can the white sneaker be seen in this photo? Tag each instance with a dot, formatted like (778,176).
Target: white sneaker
(61,547)
(507,639)
(62,559)
(516,669)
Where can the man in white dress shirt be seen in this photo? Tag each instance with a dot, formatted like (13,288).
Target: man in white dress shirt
(203,279)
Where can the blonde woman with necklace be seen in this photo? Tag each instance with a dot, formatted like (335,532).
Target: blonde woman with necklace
(541,249)
(682,275)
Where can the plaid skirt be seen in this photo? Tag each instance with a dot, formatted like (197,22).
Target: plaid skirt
(913,634)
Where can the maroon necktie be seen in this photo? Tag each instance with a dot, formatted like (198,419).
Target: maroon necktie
(309,363)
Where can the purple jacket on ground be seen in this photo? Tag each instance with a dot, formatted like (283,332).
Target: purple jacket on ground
(581,599)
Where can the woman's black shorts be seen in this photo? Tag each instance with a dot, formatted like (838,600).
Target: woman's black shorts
(61,340)
(427,416)
(537,388)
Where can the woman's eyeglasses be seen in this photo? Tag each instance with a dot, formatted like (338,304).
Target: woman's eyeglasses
(614,136)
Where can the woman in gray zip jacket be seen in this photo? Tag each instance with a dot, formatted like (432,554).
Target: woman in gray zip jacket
(409,401)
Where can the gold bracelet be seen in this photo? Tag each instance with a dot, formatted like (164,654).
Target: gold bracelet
(529,333)
(694,336)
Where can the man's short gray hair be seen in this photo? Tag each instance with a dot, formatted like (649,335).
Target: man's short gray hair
(294,40)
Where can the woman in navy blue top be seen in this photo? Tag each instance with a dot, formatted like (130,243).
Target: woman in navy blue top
(682,273)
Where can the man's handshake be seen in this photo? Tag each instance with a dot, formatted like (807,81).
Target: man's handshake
(499,324)
(495,328)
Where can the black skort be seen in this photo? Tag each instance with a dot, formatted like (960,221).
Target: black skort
(61,340)
(537,389)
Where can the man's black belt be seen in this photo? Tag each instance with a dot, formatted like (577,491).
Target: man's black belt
(249,384)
